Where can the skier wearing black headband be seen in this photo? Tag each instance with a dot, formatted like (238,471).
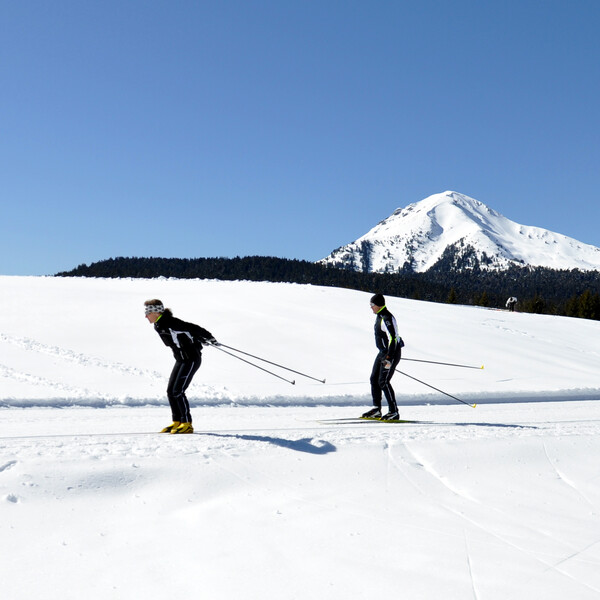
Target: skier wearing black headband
(185,340)
(389,344)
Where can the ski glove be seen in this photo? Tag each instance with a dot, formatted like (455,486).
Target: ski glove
(213,342)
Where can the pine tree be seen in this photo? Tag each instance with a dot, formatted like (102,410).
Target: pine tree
(483,299)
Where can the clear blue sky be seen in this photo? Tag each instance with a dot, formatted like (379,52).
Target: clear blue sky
(225,128)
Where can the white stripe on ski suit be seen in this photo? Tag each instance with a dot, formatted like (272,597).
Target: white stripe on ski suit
(174,335)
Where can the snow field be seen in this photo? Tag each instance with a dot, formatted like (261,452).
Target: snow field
(269,503)
(267,500)
(85,342)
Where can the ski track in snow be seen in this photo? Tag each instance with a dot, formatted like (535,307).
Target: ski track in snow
(77,357)
(470,565)
(531,583)
(565,479)
(35,380)
(428,468)
(566,559)
(352,433)
(427,482)
(411,457)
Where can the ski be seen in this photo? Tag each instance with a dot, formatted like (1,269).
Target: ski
(357,420)
(379,420)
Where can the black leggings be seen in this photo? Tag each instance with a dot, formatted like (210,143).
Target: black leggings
(380,381)
(180,379)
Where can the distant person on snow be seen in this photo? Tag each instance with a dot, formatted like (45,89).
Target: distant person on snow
(510,303)
(185,340)
(389,344)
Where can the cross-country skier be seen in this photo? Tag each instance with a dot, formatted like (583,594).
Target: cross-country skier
(511,303)
(389,344)
(185,340)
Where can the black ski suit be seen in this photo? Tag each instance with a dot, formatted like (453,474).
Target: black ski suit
(389,344)
(185,340)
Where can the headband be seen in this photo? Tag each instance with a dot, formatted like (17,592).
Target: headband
(154,308)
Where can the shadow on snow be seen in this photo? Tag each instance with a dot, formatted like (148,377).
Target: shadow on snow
(307,445)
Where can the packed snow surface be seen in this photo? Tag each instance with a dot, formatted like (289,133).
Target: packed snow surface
(276,495)
(420,233)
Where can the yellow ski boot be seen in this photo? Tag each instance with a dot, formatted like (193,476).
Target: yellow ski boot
(183,428)
(169,428)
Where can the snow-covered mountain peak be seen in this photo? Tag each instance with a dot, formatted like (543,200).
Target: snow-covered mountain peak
(462,231)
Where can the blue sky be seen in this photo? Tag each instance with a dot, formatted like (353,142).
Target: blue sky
(232,128)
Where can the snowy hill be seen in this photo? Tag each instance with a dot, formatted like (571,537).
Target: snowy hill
(276,495)
(462,231)
(78,341)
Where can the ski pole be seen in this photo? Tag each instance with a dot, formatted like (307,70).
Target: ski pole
(438,390)
(435,362)
(251,363)
(272,363)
